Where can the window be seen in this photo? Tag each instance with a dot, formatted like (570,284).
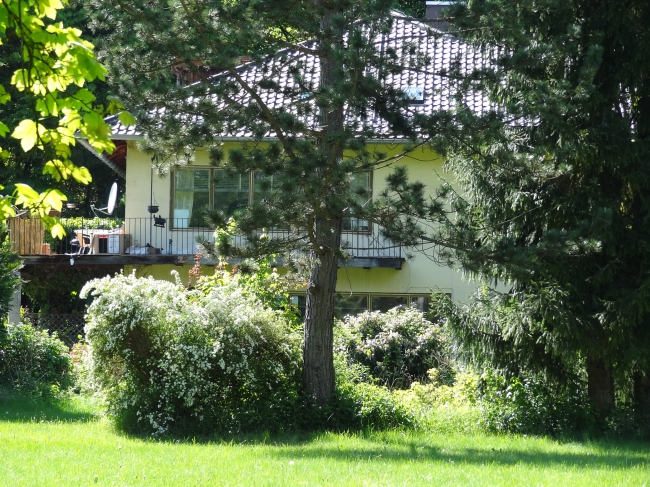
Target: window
(230,192)
(384,303)
(200,189)
(414,95)
(191,197)
(360,182)
(196,190)
(354,304)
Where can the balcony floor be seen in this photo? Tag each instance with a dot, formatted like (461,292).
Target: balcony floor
(92,260)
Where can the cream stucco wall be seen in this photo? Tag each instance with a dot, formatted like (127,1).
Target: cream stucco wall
(418,275)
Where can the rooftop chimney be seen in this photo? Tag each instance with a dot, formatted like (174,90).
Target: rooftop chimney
(434,13)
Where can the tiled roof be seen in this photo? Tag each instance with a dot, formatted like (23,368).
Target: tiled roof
(444,53)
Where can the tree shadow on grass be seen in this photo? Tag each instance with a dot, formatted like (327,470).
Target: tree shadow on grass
(602,454)
(18,408)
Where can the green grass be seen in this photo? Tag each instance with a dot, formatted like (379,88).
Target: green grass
(67,444)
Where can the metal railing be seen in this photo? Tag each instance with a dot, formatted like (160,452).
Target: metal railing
(151,236)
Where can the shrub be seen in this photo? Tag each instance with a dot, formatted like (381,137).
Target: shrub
(260,279)
(179,361)
(398,347)
(82,369)
(358,402)
(32,361)
(530,404)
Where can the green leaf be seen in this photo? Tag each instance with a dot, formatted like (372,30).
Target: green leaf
(4,96)
(26,132)
(126,118)
(3,129)
(25,195)
(58,231)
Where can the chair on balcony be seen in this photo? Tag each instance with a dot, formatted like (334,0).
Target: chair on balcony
(82,244)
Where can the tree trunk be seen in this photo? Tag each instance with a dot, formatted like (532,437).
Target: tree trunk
(318,366)
(600,384)
(318,360)
(641,391)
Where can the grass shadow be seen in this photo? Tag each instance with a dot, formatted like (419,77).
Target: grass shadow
(609,454)
(20,408)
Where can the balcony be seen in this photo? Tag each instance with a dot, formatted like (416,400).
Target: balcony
(152,241)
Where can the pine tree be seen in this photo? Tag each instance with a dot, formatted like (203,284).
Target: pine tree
(329,64)
(555,183)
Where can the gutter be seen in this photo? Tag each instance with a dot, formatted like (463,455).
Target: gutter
(120,172)
(266,139)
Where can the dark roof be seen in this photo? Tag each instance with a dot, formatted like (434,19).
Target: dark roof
(443,51)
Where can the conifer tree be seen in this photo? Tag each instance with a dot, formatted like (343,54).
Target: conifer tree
(329,64)
(555,183)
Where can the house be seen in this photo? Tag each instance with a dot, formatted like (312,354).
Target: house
(163,214)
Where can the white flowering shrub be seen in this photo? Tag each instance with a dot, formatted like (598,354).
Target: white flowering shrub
(179,361)
(397,347)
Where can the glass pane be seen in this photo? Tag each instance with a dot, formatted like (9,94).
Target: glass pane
(300,300)
(265,186)
(359,181)
(384,303)
(344,304)
(421,303)
(191,197)
(230,192)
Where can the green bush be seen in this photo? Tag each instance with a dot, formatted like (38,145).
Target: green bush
(398,347)
(191,362)
(359,402)
(82,369)
(532,405)
(32,361)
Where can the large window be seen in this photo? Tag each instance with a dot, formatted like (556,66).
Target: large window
(354,304)
(196,190)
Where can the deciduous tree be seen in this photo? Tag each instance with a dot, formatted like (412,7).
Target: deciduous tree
(55,65)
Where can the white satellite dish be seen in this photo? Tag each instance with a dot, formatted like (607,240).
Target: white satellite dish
(112,199)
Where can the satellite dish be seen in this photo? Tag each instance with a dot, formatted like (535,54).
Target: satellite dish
(112,199)
(110,207)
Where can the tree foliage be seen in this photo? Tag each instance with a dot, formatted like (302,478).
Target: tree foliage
(55,64)
(555,183)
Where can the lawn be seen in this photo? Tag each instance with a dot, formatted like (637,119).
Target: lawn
(70,445)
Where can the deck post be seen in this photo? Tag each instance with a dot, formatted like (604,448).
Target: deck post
(14,305)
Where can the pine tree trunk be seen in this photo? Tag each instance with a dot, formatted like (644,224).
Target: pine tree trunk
(600,384)
(318,361)
(318,366)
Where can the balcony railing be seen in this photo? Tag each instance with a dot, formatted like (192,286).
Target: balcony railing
(149,236)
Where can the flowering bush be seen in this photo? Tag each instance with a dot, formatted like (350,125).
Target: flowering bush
(398,347)
(169,359)
(82,369)
(33,361)
(260,279)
